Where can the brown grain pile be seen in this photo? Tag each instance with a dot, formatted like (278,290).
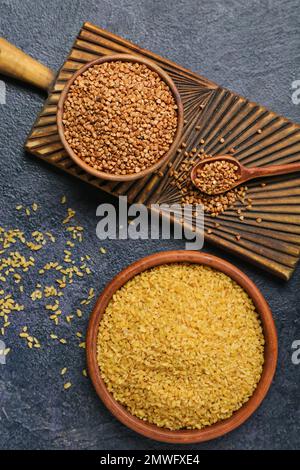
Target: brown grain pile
(120,117)
(181,346)
(216,177)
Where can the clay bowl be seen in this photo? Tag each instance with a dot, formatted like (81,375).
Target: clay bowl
(215,430)
(164,76)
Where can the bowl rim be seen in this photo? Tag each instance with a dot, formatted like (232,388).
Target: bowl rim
(180,118)
(183,436)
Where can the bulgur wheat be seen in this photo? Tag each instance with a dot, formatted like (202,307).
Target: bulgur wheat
(181,346)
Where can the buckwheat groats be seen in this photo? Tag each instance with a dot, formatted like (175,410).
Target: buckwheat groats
(120,117)
(189,194)
(181,346)
(216,177)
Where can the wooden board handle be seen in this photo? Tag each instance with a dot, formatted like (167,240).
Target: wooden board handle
(15,63)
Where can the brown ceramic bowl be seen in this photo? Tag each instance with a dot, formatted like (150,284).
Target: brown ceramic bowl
(215,430)
(107,176)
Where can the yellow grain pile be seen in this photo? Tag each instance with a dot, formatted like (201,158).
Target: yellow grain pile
(181,346)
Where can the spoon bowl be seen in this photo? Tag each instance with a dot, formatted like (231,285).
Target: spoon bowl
(243,173)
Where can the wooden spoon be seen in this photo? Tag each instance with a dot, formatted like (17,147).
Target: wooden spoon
(244,173)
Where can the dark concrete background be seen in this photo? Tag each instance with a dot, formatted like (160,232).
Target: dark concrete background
(250,47)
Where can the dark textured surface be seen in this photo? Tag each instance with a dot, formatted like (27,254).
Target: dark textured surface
(249,47)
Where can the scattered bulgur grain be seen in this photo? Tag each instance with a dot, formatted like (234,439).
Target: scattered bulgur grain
(181,346)
(13,264)
(23,335)
(102,250)
(67,385)
(71,214)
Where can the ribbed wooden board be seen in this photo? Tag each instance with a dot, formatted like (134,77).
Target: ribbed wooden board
(274,244)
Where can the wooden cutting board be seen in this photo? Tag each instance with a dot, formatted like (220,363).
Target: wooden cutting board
(211,111)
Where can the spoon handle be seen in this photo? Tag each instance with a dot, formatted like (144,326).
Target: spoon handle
(272,170)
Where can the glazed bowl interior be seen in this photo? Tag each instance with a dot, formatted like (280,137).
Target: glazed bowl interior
(164,159)
(270,352)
